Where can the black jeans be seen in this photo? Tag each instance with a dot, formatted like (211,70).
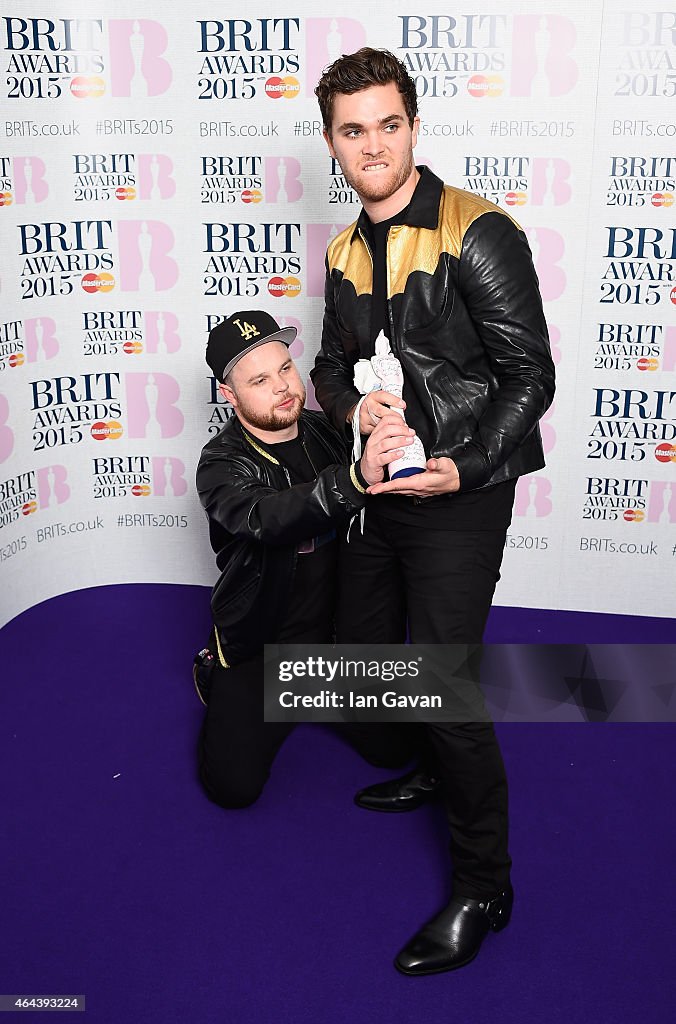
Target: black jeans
(236,747)
(440,583)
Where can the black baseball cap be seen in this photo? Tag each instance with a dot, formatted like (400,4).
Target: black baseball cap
(239,334)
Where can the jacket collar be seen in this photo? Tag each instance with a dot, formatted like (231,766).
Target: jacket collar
(423,210)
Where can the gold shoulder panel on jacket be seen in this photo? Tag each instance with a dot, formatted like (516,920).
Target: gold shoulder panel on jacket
(353,261)
(419,249)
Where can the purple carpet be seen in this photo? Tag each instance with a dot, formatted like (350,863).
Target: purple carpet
(122,882)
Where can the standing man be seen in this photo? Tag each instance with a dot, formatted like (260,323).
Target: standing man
(449,278)
(275,482)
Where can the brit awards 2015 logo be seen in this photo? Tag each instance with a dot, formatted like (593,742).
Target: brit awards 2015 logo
(644,61)
(250,179)
(23,180)
(548,249)
(641,266)
(642,181)
(129,332)
(643,347)
(26,493)
(6,432)
(631,424)
(69,409)
(122,176)
(27,341)
(629,500)
(327,39)
(138,476)
(58,256)
(470,54)
(519,180)
(243,59)
(72,409)
(50,59)
(246,260)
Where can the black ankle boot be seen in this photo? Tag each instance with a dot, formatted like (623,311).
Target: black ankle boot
(453,938)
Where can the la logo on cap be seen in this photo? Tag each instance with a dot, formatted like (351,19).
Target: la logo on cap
(247,330)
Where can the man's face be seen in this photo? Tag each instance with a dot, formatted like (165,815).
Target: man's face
(373,142)
(265,388)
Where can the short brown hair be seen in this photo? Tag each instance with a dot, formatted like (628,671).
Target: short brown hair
(356,71)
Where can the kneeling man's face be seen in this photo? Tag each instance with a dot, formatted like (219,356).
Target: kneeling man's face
(265,388)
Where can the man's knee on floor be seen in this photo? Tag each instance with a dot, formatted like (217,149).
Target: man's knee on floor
(232,794)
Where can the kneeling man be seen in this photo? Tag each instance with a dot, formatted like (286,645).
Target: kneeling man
(275,483)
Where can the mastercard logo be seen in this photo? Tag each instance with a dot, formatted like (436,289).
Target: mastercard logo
(485,85)
(516,198)
(279,286)
(106,431)
(6,198)
(132,348)
(16,359)
(86,87)
(648,364)
(92,283)
(125,192)
(29,508)
(672,295)
(634,515)
(663,199)
(141,490)
(665,452)
(252,195)
(276,87)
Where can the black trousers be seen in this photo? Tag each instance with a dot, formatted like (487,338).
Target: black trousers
(440,583)
(236,747)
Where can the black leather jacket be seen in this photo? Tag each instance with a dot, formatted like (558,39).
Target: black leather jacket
(466,322)
(256,521)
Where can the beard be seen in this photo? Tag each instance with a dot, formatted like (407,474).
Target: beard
(383,189)
(275,419)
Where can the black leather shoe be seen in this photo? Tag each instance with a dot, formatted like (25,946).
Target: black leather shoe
(453,938)
(403,794)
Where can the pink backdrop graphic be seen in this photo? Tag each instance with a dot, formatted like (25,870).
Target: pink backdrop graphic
(206,188)
(138,66)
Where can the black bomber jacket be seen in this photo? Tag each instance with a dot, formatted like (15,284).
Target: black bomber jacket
(256,521)
(466,322)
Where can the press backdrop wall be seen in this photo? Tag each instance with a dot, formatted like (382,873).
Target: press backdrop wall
(160,170)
